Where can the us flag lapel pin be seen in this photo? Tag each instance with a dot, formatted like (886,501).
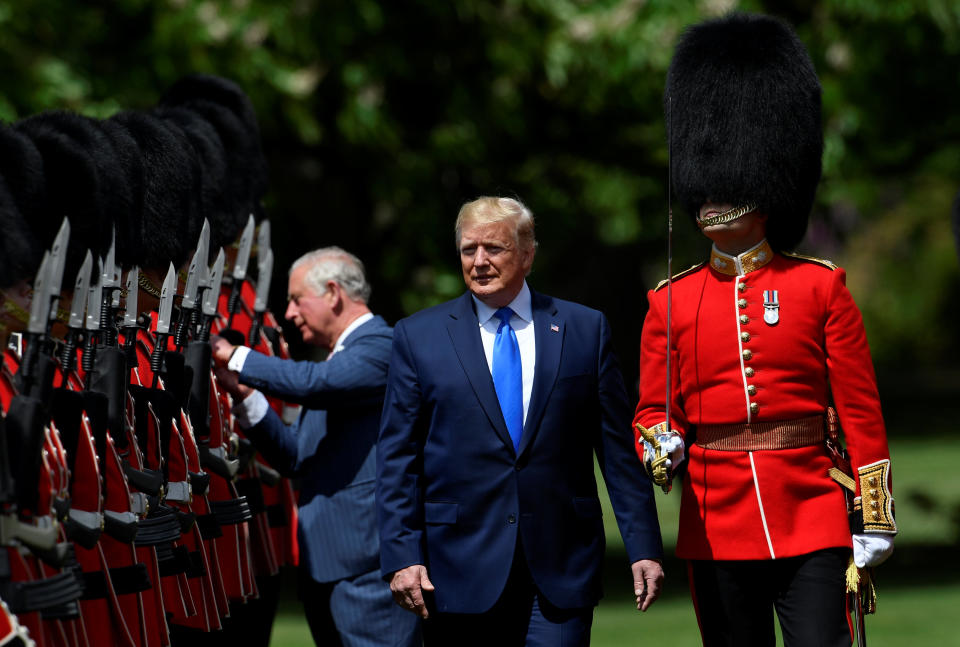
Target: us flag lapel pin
(554,327)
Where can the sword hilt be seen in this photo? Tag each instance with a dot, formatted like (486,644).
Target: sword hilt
(659,473)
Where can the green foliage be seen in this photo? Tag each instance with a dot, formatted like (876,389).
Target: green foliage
(379,119)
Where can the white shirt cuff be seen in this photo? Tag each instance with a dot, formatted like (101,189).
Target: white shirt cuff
(251,410)
(238,358)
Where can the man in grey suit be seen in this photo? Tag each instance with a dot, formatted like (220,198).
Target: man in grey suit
(331,447)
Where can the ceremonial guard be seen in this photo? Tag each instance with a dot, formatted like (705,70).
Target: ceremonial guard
(747,354)
(119,511)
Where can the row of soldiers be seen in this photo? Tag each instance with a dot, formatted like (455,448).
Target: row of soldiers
(133,512)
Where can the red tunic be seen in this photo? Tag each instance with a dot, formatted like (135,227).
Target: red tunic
(729,366)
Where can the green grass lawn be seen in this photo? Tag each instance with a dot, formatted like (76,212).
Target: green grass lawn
(918,588)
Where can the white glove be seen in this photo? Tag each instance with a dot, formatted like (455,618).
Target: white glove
(671,444)
(871,549)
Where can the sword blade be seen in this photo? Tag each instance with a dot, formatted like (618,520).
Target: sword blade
(669,425)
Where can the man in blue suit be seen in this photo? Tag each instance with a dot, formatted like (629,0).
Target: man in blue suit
(331,448)
(490,523)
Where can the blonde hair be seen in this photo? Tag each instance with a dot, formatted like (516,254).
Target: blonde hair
(487,209)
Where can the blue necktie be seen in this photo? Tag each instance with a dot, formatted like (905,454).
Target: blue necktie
(508,375)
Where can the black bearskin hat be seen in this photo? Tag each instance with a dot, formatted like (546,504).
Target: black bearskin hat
(21,195)
(21,165)
(81,181)
(224,105)
(217,203)
(127,203)
(742,105)
(20,251)
(171,191)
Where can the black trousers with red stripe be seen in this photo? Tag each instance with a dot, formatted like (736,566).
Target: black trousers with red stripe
(736,600)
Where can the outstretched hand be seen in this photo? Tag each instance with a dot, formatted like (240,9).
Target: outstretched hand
(647,582)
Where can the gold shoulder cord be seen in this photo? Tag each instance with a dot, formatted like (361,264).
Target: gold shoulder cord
(812,259)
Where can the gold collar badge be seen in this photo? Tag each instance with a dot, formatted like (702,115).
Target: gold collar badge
(750,260)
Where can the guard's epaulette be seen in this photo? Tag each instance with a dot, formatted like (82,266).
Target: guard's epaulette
(812,259)
(680,275)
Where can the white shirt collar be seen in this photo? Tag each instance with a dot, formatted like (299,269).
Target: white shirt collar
(356,323)
(521,305)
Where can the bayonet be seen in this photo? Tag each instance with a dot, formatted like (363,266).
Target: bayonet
(240,264)
(58,260)
(39,305)
(131,323)
(191,289)
(263,239)
(81,286)
(164,312)
(78,306)
(197,355)
(167,292)
(110,298)
(94,302)
(243,251)
(198,268)
(264,276)
(210,297)
(130,313)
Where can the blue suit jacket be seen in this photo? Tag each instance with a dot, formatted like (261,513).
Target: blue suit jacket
(331,448)
(452,493)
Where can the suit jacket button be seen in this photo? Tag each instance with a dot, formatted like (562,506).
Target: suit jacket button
(741,303)
(741,286)
(749,372)
(747,354)
(744,336)
(754,407)
(744,319)
(512,519)
(751,389)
